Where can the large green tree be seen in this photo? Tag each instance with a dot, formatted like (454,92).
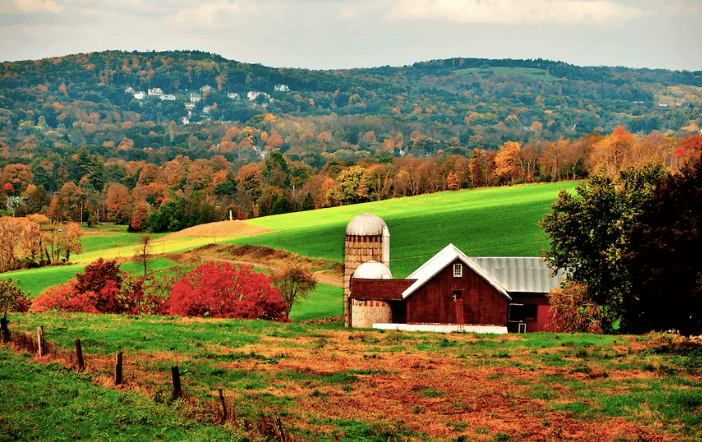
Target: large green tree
(588,233)
(664,257)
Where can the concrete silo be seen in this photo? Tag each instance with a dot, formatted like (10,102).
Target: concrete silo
(367,239)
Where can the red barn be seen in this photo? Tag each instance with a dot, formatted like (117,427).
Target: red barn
(452,291)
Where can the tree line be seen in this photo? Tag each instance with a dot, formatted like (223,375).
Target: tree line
(184,192)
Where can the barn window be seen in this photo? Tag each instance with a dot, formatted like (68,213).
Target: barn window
(457,270)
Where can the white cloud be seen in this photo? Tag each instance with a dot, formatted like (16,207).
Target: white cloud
(209,12)
(514,11)
(37,6)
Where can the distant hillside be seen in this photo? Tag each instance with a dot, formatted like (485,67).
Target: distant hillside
(105,98)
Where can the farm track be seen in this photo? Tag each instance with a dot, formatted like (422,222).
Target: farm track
(320,276)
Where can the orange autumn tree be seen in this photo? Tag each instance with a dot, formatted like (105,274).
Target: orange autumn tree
(508,161)
(610,154)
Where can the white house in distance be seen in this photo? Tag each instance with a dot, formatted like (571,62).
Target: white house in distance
(281,88)
(252,95)
(155,91)
(168,97)
(233,96)
(139,95)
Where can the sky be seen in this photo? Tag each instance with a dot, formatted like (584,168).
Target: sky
(336,34)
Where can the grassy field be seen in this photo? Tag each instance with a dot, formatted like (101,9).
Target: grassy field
(534,73)
(329,383)
(33,281)
(483,222)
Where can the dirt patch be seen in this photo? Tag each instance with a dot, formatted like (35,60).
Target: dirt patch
(221,229)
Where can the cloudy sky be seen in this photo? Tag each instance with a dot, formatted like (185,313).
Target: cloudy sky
(328,34)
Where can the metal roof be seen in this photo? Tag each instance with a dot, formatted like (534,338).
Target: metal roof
(365,224)
(506,274)
(520,274)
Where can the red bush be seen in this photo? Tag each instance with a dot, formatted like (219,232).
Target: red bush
(95,291)
(64,298)
(223,291)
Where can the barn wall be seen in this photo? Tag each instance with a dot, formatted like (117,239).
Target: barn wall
(538,324)
(433,302)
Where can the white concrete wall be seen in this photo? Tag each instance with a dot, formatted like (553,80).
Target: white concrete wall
(443,328)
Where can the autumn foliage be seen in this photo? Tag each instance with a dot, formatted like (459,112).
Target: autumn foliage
(209,290)
(225,291)
(572,310)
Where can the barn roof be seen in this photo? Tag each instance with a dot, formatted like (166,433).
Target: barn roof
(439,262)
(520,274)
(506,274)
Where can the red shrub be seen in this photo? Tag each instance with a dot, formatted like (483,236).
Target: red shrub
(223,291)
(63,298)
(95,291)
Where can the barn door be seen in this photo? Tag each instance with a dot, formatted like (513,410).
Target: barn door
(458,300)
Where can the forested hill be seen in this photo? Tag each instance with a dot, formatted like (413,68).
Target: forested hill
(460,104)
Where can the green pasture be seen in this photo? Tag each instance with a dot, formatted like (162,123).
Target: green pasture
(483,222)
(49,402)
(325,302)
(33,281)
(643,379)
(534,73)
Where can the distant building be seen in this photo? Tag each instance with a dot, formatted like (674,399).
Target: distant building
(206,88)
(281,88)
(252,95)
(155,91)
(129,90)
(233,96)
(194,97)
(185,120)
(168,97)
(139,95)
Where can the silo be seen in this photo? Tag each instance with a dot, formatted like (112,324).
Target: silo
(366,312)
(364,242)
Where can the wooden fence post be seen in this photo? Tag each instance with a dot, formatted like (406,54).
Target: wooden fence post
(278,426)
(79,355)
(40,340)
(118,368)
(177,392)
(4,330)
(224,406)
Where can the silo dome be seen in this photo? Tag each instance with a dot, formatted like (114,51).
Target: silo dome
(365,224)
(372,270)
